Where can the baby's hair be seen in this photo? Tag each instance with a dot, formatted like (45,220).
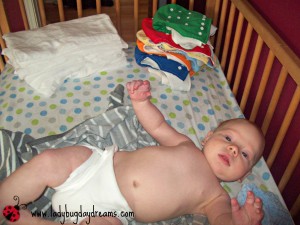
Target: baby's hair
(223,123)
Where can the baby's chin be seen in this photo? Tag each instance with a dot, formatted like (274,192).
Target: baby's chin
(229,179)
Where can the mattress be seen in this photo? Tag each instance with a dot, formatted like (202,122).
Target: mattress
(193,113)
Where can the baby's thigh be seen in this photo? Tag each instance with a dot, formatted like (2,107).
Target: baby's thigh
(60,163)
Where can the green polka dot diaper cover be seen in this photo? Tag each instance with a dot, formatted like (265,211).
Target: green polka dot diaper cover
(188,23)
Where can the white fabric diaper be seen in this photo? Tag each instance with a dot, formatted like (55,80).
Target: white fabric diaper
(92,190)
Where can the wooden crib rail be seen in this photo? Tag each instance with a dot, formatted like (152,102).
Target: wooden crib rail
(245,26)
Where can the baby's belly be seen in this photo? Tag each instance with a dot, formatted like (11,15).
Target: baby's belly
(152,192)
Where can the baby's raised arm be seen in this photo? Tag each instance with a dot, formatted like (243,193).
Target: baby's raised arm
(150,117)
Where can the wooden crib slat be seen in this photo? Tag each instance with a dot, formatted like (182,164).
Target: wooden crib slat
(274,100)
(61,10)
(290,168)
(296,207)
(1,64)
(118,15)
(98,6)
(3,19)
(2,45)
(221,28)
(235,46)
(191,5)
(242,59)
(136,15)
(251,73)
(42,12)
(216,11)
(154,7)
(23,14)
(79,8)
(212,11)
(228,36)
(2,42)
(284,127)
(262,86)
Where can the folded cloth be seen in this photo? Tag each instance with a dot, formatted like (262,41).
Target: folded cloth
(275,213)
(158,36)
(188,23)
(55,39)
(161,63)
(47,56)
(149,49)
(193,57)
(46,77)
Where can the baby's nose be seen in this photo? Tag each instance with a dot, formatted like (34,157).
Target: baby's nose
(233,149)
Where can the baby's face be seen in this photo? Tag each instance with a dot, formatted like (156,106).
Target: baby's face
(233,149)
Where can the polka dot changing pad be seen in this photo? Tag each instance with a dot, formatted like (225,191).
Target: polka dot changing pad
(194,113)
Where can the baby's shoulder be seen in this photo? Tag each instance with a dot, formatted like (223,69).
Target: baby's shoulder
(188,144)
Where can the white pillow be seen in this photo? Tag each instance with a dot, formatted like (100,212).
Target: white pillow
(46,56)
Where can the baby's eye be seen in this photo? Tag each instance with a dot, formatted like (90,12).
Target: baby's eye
(227,138)
(245,154)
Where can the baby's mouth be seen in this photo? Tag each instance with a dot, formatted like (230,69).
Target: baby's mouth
(224,159)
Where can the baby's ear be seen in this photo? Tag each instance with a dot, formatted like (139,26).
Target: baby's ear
(208,135)
(244,177)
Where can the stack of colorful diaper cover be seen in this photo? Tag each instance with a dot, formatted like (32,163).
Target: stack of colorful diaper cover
(174,44)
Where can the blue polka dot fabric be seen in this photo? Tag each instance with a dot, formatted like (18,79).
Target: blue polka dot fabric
(194,113)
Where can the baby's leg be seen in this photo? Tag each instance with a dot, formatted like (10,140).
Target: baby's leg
(50,168)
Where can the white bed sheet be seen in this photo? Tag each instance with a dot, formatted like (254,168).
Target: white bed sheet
(194,113)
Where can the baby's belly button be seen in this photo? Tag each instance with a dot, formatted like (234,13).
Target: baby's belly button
(135,184)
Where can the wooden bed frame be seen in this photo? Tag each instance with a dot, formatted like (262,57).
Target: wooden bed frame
(248,72)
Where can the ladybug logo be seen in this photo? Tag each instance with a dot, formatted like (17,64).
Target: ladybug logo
(12,212)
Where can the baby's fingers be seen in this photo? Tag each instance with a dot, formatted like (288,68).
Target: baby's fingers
(252,200)
(130,86)
(254,204)
(133,85)
(258,205)
(234,205)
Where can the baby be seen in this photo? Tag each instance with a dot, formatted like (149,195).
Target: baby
(150,184)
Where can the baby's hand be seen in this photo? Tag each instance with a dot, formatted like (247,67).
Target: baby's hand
(250,213)
(138,90)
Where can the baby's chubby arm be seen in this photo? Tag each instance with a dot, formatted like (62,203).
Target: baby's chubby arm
(223,212)
(150,117)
